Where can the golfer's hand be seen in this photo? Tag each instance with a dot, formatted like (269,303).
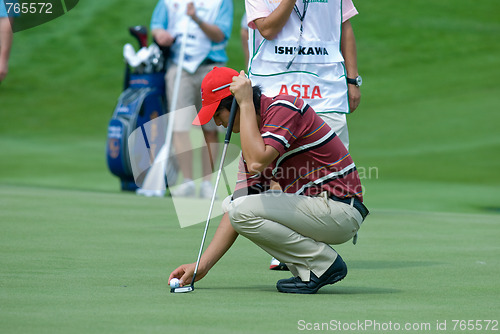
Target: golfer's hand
(354,97)
(241,88)
(163,37)
(185,274)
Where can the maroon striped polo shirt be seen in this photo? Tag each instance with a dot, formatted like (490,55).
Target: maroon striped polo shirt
(312,159)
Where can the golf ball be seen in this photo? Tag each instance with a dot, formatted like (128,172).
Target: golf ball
(174,283)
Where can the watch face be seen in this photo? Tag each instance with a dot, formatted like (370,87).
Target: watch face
(359,81)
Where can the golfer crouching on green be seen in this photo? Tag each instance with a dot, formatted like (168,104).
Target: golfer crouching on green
(282,139)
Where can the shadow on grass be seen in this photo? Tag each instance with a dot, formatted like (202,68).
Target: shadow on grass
(360,290)
(326,290)
(366,264)
(490,209)
(342,290)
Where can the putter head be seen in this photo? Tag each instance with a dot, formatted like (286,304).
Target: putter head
(183,289)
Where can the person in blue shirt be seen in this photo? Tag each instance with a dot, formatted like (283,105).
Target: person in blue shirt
(209,24)
(6,36)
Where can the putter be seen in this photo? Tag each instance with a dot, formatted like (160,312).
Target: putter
(229,131)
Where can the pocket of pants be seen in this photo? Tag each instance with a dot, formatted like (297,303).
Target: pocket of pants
(347,225)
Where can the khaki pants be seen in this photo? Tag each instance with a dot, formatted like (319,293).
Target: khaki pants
(338,123)
(296,230)
(189,95)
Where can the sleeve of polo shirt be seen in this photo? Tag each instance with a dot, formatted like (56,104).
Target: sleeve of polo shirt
(13,12)
(255,9)
(283,125)
(224,19)
(348,10)
(3,9)
(159,20)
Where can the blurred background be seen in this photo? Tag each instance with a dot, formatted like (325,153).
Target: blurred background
(426,128)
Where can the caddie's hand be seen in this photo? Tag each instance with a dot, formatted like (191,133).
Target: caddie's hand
(191,10)
(163,37)
(185,274)
(354,93)
(4,69)
(241,88)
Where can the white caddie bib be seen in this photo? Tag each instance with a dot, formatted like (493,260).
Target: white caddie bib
(198,45)
(308,65)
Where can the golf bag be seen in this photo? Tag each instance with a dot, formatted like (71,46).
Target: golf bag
(143,101)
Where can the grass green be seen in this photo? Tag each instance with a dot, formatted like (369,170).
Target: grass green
(79,256)
(91,261)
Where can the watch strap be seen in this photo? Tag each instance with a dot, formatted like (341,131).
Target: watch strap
(352,81)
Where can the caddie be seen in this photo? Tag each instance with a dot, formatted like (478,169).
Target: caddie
(284,140)
(307,48)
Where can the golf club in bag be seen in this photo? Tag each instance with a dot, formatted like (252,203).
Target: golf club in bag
(140,33)
(142,100)
(227,139)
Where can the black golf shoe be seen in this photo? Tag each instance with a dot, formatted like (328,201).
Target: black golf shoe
(336,272)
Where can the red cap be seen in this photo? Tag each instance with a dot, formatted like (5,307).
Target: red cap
(214,88)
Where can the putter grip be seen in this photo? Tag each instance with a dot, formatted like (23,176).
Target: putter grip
(232,115)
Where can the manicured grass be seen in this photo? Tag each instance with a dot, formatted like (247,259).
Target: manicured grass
(92,262)
(79,256)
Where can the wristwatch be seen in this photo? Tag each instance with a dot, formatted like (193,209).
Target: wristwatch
(358,81)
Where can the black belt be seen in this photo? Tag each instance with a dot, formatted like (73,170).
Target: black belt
(358,205)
